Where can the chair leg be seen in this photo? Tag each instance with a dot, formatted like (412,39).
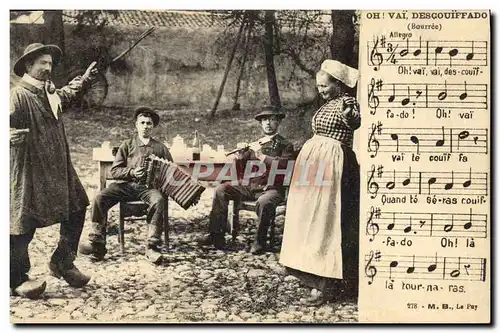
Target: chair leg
(235,221)
(121,230)
(166,227)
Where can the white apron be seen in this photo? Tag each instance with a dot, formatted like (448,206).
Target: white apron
(312,237)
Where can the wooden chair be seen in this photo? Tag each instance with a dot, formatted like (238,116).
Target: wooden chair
(131,210)
(234,217)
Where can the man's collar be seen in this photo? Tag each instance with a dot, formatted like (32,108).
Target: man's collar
(34,82)
(140,143)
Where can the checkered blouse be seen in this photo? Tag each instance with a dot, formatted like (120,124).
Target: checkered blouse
(329,121)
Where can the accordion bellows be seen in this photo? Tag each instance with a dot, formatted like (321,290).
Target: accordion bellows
(167,178)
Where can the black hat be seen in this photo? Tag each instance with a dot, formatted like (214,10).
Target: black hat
(269,110)
(32,49)
(149,112)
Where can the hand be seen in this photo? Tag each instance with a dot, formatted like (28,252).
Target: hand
(139,172)
(18,136)
(91,71)
(350,106)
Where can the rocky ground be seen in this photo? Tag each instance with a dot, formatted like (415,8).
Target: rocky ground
(194,284)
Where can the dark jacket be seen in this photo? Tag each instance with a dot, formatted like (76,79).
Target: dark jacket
(44,186)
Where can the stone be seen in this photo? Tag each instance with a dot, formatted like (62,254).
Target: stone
(255,273)
(290,278)
(58,301)
(221,315)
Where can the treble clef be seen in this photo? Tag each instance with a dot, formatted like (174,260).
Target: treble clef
(371,270)
(372,186)
(376,57)
(372,228)
(373,144)
(373,101)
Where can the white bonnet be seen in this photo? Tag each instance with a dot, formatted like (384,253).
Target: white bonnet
(343,73)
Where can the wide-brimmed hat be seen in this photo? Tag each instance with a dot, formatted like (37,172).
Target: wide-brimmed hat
(34,48)
(149,111)
(345,74)
(269,110)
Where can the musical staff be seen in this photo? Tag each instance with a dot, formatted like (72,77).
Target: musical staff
(426,182)
(418,224)
(424,267)
(427,140)
(397,52)
(418,95)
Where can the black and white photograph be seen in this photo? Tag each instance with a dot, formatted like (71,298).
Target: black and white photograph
(184,166)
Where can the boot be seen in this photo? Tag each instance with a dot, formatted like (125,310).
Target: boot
(96,251)
(154,255)
(72,276)
(30,289)
(258,247)
(216,239)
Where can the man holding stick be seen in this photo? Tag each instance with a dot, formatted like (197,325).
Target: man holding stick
(44,187)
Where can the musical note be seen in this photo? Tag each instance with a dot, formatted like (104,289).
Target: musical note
(415,140)
(440,142)
(404,52)
(437,51)
(391,225)
(373,144)
(431,181)
(409,228)
(449,227)
(452,53)
(468,225)
(391,98)
(432,267)
(373,101)
(443,94)
(407,180)
(456,272)
(462,136)
(449,186)
(464,94)
(417,52)
(470,55)
(396,138)
(372,228)
(406,100)
(371,270)
(468,182)
(392,265)
(372,186)
(411,269)
(376,57)
(390,185)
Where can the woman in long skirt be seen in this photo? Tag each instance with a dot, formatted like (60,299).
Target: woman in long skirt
(320,239)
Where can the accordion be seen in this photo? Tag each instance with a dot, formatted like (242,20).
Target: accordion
(170,180)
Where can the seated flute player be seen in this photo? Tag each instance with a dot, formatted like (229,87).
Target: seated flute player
(129,171)
(268,195)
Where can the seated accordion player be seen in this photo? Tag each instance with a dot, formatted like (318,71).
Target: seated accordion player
(170,180)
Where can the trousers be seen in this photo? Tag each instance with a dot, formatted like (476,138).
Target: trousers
(267,202)
(130,191)
(63,256)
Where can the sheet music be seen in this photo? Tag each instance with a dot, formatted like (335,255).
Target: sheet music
(424,150)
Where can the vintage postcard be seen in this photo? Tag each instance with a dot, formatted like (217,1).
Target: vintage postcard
(250,166)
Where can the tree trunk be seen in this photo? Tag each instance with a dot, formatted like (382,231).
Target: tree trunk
(236,105)
(342,40)
(226,72)
(55,35)
(269,55)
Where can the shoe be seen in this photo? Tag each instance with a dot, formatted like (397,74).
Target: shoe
(72,276)
(154,255)
(95,251)
(217,240)
(257,248)
(316,299)
(30,289)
